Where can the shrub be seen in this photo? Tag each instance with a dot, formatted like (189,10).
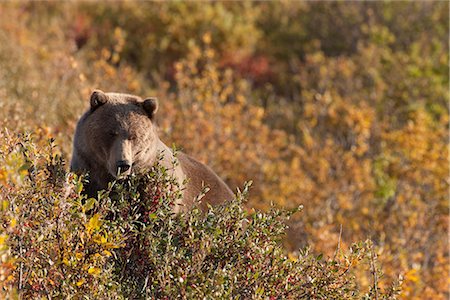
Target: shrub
(127,242)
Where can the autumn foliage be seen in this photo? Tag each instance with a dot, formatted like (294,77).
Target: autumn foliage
(339,107)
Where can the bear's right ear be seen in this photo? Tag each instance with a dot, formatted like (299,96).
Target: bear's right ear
(98,98)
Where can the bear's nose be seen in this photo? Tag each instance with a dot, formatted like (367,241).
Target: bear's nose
(123,166)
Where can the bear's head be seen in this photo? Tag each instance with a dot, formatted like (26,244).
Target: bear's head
(119,132)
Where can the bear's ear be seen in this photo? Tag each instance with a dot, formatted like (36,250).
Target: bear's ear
(98,98)
(150,106)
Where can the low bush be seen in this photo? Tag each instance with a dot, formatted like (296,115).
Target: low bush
(127,242)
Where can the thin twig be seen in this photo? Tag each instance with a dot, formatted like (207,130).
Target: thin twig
(373,258)
(21,267)
(339,243)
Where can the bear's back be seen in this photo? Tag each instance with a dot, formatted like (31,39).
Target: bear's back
(200,175)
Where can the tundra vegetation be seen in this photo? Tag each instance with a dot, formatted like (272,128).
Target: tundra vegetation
(339,107)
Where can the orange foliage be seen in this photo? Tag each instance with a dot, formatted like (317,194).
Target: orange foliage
(341,108)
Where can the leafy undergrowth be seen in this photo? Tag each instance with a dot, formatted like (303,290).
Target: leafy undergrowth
(127,243)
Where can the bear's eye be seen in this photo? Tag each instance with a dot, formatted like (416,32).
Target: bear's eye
(113,133)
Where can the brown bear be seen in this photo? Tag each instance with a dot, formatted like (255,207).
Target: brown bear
(118,136)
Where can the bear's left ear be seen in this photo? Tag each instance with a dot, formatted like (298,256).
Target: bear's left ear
(150,106)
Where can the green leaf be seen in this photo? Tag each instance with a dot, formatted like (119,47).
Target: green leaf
(24,167)
(89,204)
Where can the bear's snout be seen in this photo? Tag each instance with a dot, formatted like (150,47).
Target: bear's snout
(122,166)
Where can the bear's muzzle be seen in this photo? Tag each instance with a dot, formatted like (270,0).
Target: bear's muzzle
(122,166)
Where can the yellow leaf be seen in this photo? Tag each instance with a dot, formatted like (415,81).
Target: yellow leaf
(292,256)
(80,282)
(93,224)
(3,175)
(94,271)
(100,239)
(66,262)
(5,205)
(3,238)
(207,38)
(412,275)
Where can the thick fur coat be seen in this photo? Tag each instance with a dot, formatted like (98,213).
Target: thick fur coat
(117,136)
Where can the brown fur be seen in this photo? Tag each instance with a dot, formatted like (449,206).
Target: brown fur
(119,131)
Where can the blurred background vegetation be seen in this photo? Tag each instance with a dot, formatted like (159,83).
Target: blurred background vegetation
(341,107)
